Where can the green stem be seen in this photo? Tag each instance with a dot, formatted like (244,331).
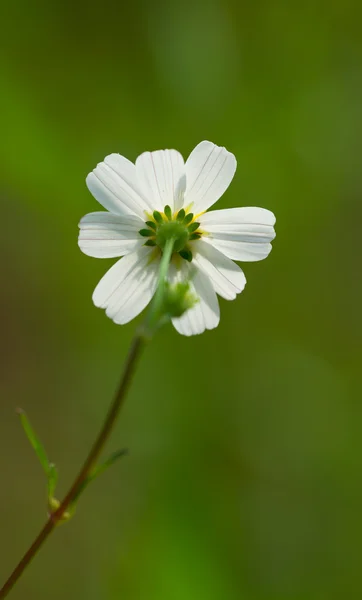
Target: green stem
(155,311)
(152,319)
(90,462)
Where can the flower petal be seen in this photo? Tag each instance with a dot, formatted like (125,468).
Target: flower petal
(105,235)
(206,313)
(128,286)
(226,277)
(114,184)
(161,175)
(240,233)
(209,171)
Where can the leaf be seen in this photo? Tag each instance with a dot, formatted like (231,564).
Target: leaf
(100,469)
(108,463)
(35,442)
(49,468)
(52,480)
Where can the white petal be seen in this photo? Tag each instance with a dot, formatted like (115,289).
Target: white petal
(209,171)
(226,277)
(206,313)
(240,233)
(128,286)
(114,184)
(245,214)
(104,235)
(161,175)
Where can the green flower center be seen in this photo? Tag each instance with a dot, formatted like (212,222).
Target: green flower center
(172,230)
(165,226)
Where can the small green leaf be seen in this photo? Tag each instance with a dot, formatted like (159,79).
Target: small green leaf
(107,463)
(37,445)
(186,254)
(52,480)
(151,224)
(168,212)
(193,227)
(48,467)
(188,218)
(181,215)
(146,232)
(98,470)
(150,243)
(194,236)
(157,216)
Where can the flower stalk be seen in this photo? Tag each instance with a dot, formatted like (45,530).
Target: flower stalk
(155,311)
(89,467)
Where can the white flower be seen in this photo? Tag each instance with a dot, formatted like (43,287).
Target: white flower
(143,201)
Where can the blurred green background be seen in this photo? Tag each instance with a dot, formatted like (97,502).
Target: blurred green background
(244,474)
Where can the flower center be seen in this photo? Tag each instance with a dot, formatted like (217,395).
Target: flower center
(165,226)
(172,230)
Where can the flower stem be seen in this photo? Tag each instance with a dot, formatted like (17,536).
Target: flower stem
(90,462)
(155,312)
(152,319)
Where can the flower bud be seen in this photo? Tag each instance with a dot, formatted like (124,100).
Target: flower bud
(178,299)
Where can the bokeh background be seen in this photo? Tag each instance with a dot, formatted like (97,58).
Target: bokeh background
(244,474)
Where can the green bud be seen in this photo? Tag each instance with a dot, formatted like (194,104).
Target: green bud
(186,254)
(193,227)
(151,224)
(53,505)
(181,215)
(157,216)
(178,299)
(168,212)
(188,218)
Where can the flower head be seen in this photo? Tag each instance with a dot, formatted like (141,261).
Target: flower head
(161,197)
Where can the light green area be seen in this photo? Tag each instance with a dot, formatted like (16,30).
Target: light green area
(243,479)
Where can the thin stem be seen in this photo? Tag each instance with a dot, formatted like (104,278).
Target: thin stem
(56,516)
(154,315)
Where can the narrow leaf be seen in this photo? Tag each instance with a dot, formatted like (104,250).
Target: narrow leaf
(157,216)
(107,463)
(188,218)
(168,212)
(52,480)
(151,224)
(193,226)
(35,442)
(96,472)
